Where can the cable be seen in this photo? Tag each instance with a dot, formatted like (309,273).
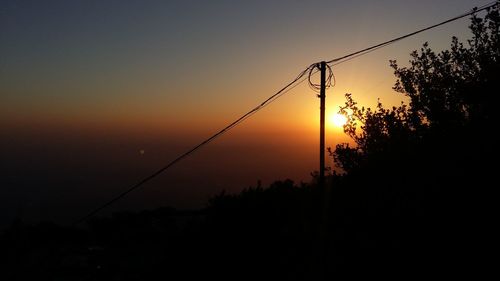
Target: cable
(356,54)
(266,102)
(328,81)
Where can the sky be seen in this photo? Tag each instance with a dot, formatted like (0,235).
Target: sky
(96,95)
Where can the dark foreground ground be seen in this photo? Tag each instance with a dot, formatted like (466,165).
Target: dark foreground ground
(284,232)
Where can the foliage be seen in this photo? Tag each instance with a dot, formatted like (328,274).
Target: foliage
(381,129)
(455,86)
(429,166)
(450,91)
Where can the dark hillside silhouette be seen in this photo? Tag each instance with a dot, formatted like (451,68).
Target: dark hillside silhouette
(416,201)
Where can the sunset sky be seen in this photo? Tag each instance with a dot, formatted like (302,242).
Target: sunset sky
(95,95)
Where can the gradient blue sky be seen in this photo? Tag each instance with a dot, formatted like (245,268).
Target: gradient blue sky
(86,85)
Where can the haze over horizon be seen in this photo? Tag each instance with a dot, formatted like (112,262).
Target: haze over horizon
(95,95)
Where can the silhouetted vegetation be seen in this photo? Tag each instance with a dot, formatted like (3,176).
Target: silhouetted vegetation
(426,170)
(415,201)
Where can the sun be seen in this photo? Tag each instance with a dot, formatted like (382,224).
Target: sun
(337,120)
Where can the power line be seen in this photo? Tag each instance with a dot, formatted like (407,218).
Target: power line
(266,102)
(368,50)
(356,54)
(310,70)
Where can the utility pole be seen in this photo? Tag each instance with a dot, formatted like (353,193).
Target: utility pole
(322,97)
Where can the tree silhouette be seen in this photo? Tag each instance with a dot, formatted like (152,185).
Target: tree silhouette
(449,91)
(426,170)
